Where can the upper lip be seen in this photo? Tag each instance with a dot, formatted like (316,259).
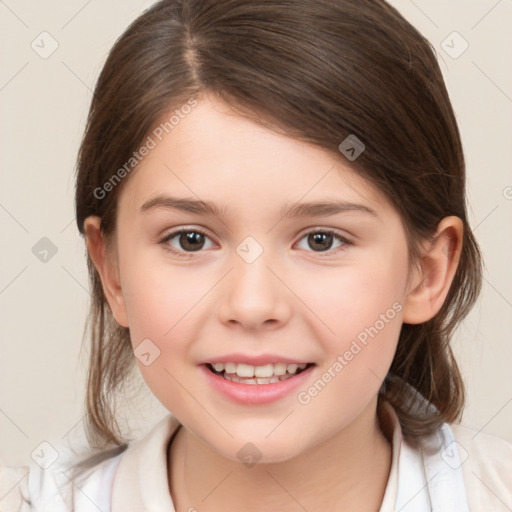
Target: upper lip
(254,360)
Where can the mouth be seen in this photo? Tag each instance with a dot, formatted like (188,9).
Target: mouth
(249,374)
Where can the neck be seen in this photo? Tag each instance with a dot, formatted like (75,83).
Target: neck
(353,479)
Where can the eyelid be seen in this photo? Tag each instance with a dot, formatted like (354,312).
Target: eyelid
(346,240)
(324,229)
(175,232)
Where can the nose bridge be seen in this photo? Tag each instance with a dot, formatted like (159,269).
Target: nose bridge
(253,295)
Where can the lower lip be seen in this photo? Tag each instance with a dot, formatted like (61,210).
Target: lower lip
(251,394)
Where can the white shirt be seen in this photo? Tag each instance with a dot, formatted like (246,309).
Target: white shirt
(455,470)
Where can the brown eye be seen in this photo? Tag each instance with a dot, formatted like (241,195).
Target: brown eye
(323,241)
(191,240)
(320,241)
(186,241)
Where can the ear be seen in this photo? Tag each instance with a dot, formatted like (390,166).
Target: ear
(432,278)
(107,269)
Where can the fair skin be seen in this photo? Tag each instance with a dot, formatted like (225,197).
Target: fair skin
(294,300)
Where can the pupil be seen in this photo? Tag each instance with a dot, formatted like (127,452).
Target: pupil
(323,240)
(191,240)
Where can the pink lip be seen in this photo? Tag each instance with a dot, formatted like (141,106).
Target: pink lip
(260,360)
(253,394)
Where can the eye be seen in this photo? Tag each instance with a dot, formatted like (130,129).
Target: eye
(322,241)
(183,241)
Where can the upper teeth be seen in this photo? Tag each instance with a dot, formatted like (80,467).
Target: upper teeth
(268,370)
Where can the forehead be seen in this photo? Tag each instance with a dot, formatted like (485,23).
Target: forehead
(213,154)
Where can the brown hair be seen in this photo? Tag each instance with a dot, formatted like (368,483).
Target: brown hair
(318,71)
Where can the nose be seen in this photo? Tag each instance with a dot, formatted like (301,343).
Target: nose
(254,295)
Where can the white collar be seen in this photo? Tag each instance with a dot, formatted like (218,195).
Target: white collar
(427,473)
(426,476)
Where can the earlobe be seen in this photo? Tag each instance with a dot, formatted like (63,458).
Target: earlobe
(107,269)
(432,279)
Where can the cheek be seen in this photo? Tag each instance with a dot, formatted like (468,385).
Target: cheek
(167,305)
(347,300)
(359,307)
(162,307)
(157,295)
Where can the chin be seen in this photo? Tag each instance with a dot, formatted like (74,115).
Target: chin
(259,450)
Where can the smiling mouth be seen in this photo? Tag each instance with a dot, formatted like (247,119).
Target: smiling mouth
(247,374)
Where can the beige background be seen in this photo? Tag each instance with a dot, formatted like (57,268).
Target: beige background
(44,104)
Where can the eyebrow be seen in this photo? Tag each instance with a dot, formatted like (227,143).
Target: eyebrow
(305,209)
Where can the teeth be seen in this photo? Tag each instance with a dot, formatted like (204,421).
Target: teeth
(235,378)
(249,371)
(245,370)
(280,368)
(230,367)
(292,368)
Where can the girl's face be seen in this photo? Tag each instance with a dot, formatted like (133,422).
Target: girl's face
(249,282)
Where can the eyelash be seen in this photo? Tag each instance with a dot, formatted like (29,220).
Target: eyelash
(184,254)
